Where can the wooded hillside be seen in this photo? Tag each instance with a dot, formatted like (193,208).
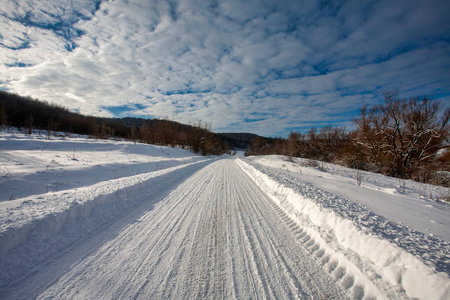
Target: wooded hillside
(29,114)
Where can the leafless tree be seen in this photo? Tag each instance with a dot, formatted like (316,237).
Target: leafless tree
(292,145)
(402,135)
(3,118)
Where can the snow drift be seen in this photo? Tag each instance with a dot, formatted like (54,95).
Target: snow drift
(384,257)
(373,241)
(37,227)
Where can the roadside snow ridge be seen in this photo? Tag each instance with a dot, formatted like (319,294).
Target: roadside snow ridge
(355,245)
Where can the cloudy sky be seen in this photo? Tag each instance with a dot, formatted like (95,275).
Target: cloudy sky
(265,67)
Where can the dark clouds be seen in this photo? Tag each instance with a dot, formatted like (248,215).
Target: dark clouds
(261,66)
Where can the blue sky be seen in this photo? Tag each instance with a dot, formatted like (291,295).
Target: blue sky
(265,67)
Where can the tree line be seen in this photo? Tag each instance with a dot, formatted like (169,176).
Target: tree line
(29,114)
(404,138)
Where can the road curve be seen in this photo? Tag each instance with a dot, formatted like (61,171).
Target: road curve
(214,236)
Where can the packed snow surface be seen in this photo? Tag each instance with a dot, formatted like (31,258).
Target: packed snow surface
(103,219)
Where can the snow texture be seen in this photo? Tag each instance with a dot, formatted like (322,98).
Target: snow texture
(394,257)
(91,219)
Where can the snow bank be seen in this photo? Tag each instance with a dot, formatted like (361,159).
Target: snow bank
(383,257)
(403,202)
(34,228)
(33,164)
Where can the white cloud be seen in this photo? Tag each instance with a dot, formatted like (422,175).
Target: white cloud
(232,63)
(72,96)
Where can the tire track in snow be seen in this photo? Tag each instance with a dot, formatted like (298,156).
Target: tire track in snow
(287,254)
(214,236)
(122,231)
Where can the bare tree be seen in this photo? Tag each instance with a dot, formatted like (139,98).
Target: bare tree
(330,141)
(134,133)
(402,134)
(146,133)
(292,145)
(370,137)
(3,118)
(30,122)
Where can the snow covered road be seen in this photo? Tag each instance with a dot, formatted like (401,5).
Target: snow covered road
(215,235)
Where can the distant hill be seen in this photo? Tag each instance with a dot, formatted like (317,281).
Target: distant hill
(240,140)
(28,114)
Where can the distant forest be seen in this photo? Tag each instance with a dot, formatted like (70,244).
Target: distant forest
(29,114)
(404,138)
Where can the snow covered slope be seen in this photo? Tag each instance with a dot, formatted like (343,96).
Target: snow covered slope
(100,180)
(364,237)
(402,201)
(108,219)
(34,164)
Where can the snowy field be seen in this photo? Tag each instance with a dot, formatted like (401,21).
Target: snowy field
(33,164)
(89,219)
